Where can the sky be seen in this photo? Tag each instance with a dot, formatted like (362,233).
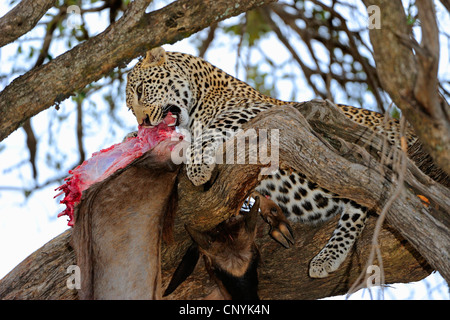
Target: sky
(27,223)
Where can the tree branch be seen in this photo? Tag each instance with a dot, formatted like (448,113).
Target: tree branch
(22,18)
(283,272)
(306,70)
(208,40)
(328,147)
(346,162)
(411,79)
(446,4)
(284,11)
(426,87)
(123,41)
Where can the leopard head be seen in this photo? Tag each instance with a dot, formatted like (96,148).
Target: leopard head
(155,87)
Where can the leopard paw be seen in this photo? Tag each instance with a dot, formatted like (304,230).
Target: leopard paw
(132,134)
(199,174)
(324,263)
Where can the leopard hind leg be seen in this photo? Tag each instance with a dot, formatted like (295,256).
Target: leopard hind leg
(304,201)
(349,228)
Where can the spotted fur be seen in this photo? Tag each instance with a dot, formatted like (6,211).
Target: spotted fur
(209,101)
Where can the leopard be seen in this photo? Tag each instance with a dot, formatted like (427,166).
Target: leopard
(205,100)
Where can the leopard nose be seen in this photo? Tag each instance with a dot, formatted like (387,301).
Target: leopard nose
(148,116)
(146,122)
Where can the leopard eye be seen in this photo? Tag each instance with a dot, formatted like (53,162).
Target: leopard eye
(139,90)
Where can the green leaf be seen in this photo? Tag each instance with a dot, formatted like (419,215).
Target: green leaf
(256,27)
(234,29)
(395,113)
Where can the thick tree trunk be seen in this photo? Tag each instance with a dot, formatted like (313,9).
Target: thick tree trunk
(283,273)
(328,149)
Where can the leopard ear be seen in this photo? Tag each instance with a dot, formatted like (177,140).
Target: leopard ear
(154,57)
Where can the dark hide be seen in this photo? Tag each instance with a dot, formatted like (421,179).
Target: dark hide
(230,255)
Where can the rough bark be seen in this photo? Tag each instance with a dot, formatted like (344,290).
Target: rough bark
(132,35)
(341,163)
(283,272)
(331,150)
(408,72)
(42,275)
(22,18)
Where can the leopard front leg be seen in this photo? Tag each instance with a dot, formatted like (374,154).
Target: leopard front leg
(350,226)
(132,134)
(222,127)
(201,156)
